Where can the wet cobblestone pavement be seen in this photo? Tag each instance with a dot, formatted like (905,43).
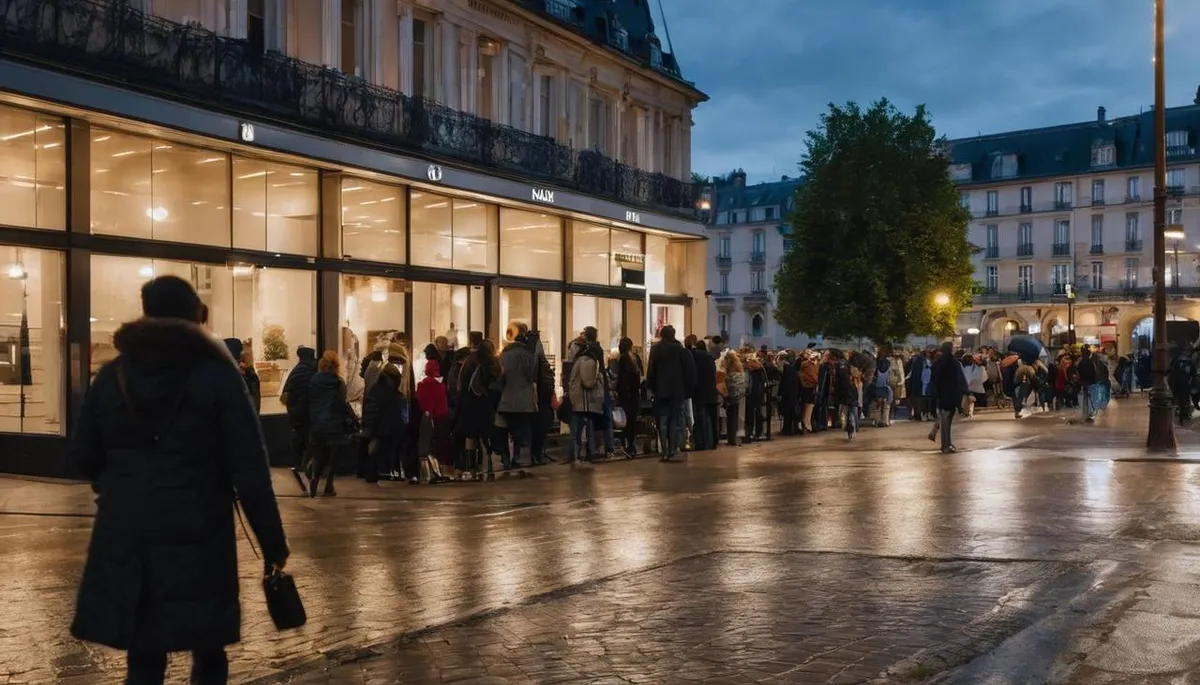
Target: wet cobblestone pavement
(1040,553)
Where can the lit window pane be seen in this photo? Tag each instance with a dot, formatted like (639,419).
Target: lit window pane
(530,244)
(31,307)
(439,310)
(371,310)
(144,188)
(432,230)
(372,221)
(589,253)
(32,170)
(656,264)
(275,207)
(475,233)
(626,253)
(273,311)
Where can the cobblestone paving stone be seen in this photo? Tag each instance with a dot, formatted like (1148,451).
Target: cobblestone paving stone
(379,563)
(720,618)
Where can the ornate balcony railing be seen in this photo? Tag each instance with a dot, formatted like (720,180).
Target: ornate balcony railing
(110,40)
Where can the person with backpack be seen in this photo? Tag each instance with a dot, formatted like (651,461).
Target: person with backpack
(295,398)
(671,377)
(586,389)
(847,382)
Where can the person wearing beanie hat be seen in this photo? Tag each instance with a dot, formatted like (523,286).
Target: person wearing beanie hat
(171,443)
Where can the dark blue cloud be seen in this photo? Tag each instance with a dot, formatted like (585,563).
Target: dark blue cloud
(771,66)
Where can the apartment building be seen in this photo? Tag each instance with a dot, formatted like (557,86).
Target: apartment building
(749,235)
(1069,209)
(334,174)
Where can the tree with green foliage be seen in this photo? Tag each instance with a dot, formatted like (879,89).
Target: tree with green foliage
(879,243)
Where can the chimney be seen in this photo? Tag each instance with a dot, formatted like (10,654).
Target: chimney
(1101,115)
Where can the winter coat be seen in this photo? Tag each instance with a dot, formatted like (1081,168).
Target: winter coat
(629,381)
(671,371)
(916,371)
(757,388)
(162,569)
(329,416)
(974,375)
(810,374)
(866,364)
(520,373)
(476,412)
(947,383)
(295,391)
(587,365)
(706,378)
(545,382)
(844,390)
(249,375)
(896,379)
(1087,370)
(789,385)
(431,396)
(453,375)
(386,412)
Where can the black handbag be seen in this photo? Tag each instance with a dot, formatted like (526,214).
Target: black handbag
(283,599)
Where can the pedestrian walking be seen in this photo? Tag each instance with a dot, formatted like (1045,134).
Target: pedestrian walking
(169,438)
(331,419)
(949,386)
(671,378)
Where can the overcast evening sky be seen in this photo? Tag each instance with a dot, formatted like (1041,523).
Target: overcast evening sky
(771,66)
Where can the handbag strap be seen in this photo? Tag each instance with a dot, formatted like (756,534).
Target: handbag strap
(237,508)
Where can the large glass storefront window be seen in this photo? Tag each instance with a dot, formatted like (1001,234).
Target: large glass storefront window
(32,325)
(438,311)
(371,310)
(549,326)
(272,311)
(589,253)
(531,244)
(276,207)
(372,221)
(627,253)
(672,315)
(516,306)
(606,314)
(33,170)
(146,188)
(453,233)
(656,265)
(676,266)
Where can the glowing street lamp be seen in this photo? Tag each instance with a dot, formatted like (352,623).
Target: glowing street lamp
(941,299)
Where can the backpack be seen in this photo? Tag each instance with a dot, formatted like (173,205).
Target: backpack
(589,372)
(882,378)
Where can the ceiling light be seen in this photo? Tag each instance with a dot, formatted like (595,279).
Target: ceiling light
(146,271)
(157,213)
(101,139)
(255,174)
(17,272)
(125,153)
(210,160)
(350,189)
(297,173)
(22,134)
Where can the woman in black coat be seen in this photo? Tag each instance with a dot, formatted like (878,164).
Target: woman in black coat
(789,395)
(476,402)
(629,393)
(385,422)
(169,439)
(331,420)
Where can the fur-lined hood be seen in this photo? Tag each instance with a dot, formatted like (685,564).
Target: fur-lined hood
(157,342)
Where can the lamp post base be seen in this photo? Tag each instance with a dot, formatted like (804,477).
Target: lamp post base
(1161,436)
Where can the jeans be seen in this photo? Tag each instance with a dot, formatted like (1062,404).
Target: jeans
(580,420)
(150,668)
(849,414)
(1086,412)
(945,418)
(702,437)
(671,418)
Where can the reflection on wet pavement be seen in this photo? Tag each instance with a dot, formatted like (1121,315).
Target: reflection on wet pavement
(750,562)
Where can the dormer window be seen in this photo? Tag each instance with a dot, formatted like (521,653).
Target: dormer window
(960,172)
(1178,143)
(1104,155)
(1004,166)
(655,51)
(620,36)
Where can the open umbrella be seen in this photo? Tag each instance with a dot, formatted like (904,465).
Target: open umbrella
(1027,347)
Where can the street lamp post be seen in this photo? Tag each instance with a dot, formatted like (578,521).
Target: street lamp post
(1070,314)
(1161,432)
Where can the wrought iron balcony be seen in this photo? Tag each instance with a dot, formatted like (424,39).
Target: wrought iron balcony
(1133,246)
(1026,208)
(758,258)
(991,252)
(1096,249)
(1062,204)
(1060,249)
(1025,250)
(1097,200)
(112,41)
(724,261)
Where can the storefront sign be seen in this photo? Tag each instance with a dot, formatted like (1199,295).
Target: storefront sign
(434,173)
(543,195)
(629,258)
(246,132)
(633,217)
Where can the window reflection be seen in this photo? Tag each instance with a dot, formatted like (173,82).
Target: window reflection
(530,244)
(33,170)
(372,221)
(516,306)
(271,310)
(589,253)
(453,233)
(371,310)
(432,230)
(606,314)
(439,310)
(275,207)
(31,309)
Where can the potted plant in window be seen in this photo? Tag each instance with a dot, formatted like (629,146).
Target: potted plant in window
(275,349)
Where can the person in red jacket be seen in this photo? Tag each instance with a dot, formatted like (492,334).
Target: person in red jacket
(434,403)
